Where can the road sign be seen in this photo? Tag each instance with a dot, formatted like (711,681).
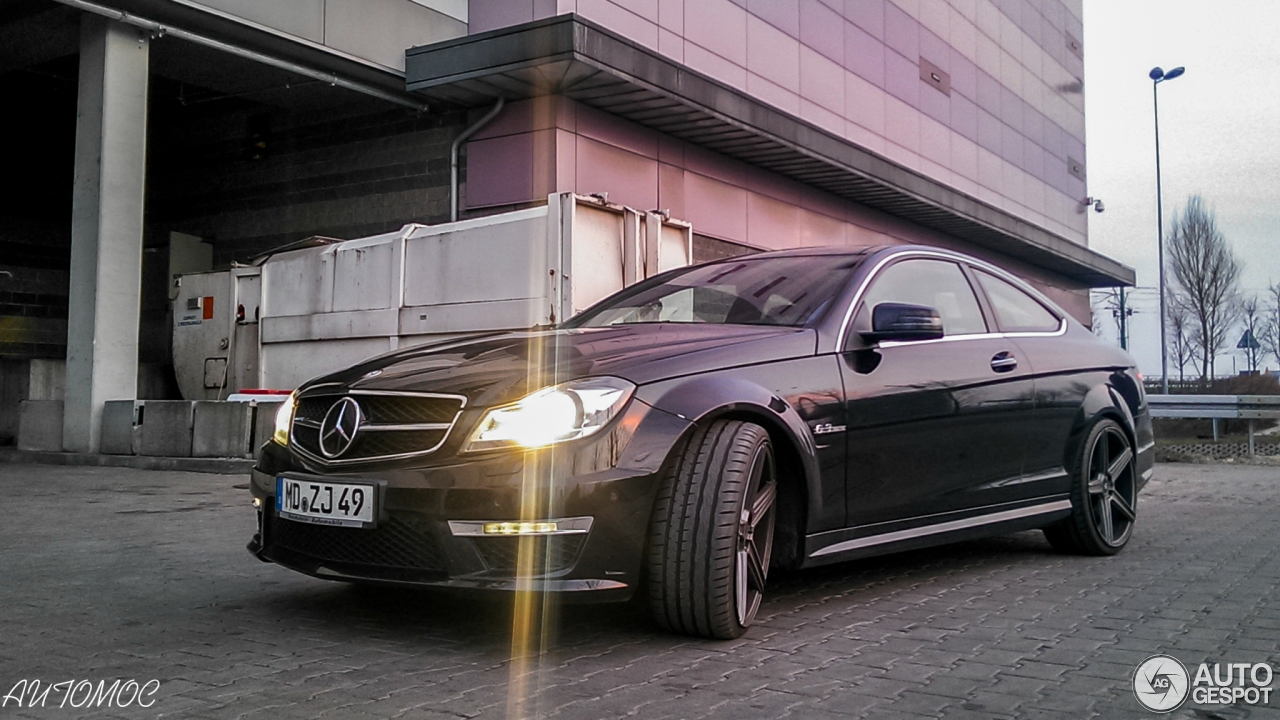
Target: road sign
(1248,341)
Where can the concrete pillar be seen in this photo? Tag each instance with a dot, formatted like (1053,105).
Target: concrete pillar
(106,227)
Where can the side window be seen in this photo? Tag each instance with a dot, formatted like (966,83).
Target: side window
(933,283)
(1015,310)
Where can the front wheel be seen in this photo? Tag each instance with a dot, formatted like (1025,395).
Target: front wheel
(1104,495)
(711,535)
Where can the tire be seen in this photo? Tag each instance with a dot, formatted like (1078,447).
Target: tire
(712,530)
(1104,495)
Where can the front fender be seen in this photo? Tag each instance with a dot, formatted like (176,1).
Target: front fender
(702,399)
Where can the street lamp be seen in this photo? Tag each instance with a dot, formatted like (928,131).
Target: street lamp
(1158,76)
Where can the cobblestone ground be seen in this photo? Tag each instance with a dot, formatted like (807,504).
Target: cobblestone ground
(115,574)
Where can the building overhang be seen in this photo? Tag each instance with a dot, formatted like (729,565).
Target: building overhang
(573,57)
(236,31)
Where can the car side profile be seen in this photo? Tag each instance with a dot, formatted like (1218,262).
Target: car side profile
(692,432)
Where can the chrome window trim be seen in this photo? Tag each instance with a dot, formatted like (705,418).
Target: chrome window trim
(379,427)
(1002,274)
(1062,330)
(943,527)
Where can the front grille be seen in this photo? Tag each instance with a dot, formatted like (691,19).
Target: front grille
(550,554)
(313,409)
(394,442)
(392,425)
(396,543)
(400,410)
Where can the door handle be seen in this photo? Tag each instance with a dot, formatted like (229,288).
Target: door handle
(1003,362)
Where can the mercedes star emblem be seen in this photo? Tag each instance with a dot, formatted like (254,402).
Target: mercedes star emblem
(339,427)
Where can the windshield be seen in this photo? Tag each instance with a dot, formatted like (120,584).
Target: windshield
(787,290)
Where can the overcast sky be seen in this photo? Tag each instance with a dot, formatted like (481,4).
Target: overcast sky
(1219,137)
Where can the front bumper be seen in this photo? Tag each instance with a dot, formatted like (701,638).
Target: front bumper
(412,542)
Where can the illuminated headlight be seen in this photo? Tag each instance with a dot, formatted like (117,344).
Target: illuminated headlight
(567,411)
(284,419)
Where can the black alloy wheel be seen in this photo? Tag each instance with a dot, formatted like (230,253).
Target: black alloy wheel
(712,531)
(1104,495)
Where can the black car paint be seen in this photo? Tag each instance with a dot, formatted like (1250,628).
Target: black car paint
(919,423)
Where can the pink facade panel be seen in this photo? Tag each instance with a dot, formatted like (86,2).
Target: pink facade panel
(629,178)
(773,224)
(615,131)
(716,208)
(620,16)
(866,14)
(718,26)
(485,15)
(783,15)
(772,54)
(863,54)
(500,170)
(822,29)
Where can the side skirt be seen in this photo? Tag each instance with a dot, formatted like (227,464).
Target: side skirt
(866,541)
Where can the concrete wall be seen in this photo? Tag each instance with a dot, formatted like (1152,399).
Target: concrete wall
(22,380)
(377,31)
(553,144)
(1005,131)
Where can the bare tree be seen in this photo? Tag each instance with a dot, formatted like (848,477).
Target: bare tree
(1205,278)
(1182,340)
(1270,330)
(1251,317)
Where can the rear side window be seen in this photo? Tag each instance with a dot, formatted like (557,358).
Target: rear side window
(938,284)
(1015,310)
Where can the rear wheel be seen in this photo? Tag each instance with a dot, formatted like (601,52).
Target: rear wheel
(711,535)
(1104,495)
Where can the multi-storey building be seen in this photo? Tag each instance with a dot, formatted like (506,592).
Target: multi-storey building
(141,129)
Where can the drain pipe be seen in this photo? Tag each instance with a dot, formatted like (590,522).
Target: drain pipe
(453,155)
(158,30)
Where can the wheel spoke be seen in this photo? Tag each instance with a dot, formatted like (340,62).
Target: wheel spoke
(1097,484)
(1103,452)
(755,568)
(1119,464)
(763,502)
(1106,525)
(1123,506)
(740,587)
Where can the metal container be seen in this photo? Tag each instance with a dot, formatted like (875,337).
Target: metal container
(327,307)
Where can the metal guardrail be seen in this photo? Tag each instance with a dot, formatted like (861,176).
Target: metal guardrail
(1217,407)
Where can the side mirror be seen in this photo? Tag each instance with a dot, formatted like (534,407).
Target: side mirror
(899,322)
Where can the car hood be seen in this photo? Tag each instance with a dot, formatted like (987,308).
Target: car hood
(492,369)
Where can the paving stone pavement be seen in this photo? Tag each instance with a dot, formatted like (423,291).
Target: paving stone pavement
(110,573)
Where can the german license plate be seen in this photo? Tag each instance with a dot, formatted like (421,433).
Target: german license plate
(325,503)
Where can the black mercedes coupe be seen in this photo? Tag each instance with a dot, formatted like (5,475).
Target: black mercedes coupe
(692,432)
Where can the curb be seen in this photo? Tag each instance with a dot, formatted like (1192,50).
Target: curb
(220,466)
